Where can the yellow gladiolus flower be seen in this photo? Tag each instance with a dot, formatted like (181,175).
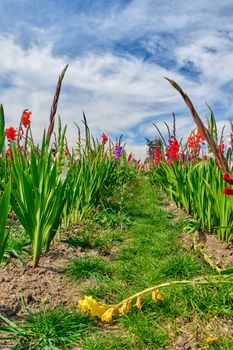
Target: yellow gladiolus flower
(139,302)
(157,296)
(107,316)
(88,304)
(125,307)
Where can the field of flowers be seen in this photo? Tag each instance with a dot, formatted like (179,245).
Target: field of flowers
(103,214)
(198,178)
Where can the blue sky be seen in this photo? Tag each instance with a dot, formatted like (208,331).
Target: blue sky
(118,54)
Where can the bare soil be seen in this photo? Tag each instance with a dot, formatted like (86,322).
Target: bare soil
(40,286)
(191,334)
(220,252)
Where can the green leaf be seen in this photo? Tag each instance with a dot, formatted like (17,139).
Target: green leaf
(4,208)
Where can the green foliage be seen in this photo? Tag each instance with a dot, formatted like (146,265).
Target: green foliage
(17,245)
(87,179)
(55,329)
(93,175)
(198,189)
(38,197)
(4,209)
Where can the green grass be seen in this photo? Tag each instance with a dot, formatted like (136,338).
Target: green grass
(81,268)
(153,253)
(52,329)
(103,240)
(18,245)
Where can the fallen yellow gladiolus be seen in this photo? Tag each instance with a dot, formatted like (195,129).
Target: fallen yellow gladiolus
(106,312)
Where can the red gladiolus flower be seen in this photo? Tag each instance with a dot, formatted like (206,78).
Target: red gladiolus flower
(138,163)
(104,138)
(25,120)
(9,154)
(172,152)
(158,155)
(130,157)
(228,178)
(228,191)
(11,134)
(66,153)
(199,136)
(194,143)
(221,147)
(205,157)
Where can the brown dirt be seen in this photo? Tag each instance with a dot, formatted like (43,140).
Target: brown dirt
(40,286)
(191,334)
(220,252)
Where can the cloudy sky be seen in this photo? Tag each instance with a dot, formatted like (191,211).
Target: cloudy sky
(118,54)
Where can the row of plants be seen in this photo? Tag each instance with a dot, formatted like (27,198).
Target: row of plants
(49,185)
(197,174)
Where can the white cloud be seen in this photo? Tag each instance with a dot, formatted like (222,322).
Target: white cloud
(121,93)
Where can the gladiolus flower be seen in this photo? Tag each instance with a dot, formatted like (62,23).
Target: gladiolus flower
(221,147)
(158,155)
(139,302)
(138,163)
(157,296)
(130,157)
(228,191)
(228,178)
(205,157)
(88,304)
(172,152)
(66,153)
(199,136)
(9,154)
(108,315)
(125,307)
(194,143)
(104,138)
(118,151)
(25,120)
(11,134)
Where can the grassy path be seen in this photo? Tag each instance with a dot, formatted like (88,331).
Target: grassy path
(112,266)
(152,252)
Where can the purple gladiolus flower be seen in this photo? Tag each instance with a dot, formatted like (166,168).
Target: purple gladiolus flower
(118,151)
